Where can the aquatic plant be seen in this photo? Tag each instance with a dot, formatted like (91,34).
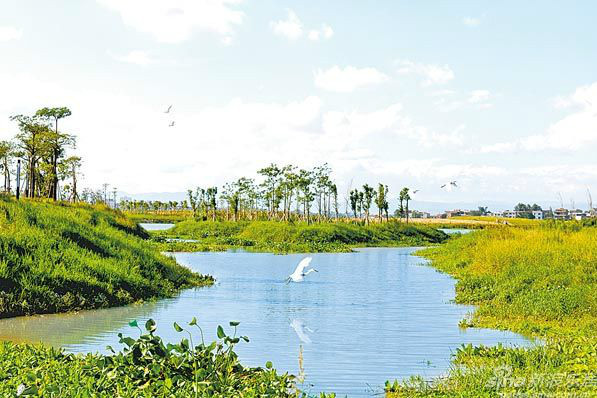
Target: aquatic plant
(146,367)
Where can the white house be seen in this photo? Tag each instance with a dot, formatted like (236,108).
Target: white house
(538,214)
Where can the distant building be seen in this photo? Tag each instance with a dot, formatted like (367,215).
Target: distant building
(419,214)
(538,214)
(561,214)
(456,213)
(509,214)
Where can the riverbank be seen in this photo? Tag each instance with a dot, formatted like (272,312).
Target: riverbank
(59,257)
(283,237)
(541,282)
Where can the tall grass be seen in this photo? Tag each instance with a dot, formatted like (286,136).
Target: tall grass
(539,281)
(62,257)
(273,236)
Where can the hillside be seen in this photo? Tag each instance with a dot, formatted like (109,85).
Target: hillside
(57,257)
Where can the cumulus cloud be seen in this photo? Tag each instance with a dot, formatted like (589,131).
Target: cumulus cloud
(432,74)
(575,131)
(348,79)
(8,33)
(293,29)
(174,21)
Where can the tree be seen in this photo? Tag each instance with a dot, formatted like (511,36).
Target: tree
(381,200)
(405,198)
(334,191)
(272,175)
(69,168)
(212,201)
(354,201)
(6,155)
(305,181)
(57,143)
(368,194)
(32,140)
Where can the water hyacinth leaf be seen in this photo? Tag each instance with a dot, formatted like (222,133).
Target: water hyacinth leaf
(221,333)
(177,327)
(269,365)
(133,324)
(234,323)
(193,322)
(150,325)
(245,338)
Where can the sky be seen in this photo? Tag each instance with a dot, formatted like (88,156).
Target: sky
(498,96)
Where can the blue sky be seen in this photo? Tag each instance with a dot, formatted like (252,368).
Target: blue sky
(500,96)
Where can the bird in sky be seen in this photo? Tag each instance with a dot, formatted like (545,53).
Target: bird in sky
(299,273)
(169,109)
(171,124)
(415,191)
(453,183)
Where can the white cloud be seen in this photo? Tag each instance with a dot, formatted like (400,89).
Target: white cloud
(8,33)
(291,27)
(326,32)
(573,132)
(174,21)
(477,99)
(471,22)
(348,79)
(433,74)
(136,57)
(479,96)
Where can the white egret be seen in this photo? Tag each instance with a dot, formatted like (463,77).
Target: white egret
(299,273)
(169,109)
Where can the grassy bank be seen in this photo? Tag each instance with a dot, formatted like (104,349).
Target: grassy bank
(62,257)
(147,367)
(539,281)
(281,237)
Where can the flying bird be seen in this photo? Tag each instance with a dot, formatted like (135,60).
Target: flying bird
(299,273)
(169,109)
(453,183)
(443,186)
(171,124)
(415,191)
(301,330)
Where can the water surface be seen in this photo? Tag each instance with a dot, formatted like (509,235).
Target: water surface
(366,317)
(156,226)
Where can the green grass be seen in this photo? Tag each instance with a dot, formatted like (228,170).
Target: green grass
(282,237)
(539,281)
(57,257)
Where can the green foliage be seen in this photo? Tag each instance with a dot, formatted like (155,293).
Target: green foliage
(282,237)
(57,257)
(147,367)
(540,281)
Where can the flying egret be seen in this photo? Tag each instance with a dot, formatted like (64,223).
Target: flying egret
(301,330)
(169,109)
(171,124)
(299,273)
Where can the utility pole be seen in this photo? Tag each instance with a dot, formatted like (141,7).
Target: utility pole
(18,178)
(114,191)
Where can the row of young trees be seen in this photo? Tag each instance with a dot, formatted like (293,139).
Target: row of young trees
(40,148)
(285,193)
